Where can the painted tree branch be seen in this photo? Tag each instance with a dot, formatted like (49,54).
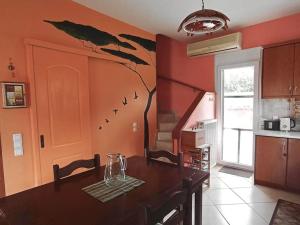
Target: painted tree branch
(146,123)
(140,76)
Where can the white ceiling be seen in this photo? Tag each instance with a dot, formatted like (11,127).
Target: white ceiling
(164,16)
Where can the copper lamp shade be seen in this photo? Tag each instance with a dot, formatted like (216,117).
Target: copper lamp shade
(204,21)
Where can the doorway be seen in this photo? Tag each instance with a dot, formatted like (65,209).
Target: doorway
(62,102)
(238,108)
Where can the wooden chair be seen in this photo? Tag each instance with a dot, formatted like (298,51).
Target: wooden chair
(170,211)
(156,155)
(60,173)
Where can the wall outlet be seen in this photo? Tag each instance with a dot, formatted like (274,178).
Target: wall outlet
(134,126)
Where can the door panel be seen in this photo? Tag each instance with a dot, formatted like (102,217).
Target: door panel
(63,108)
(270,160)
(293,164)
(296,90)
(278,71)
(64,99)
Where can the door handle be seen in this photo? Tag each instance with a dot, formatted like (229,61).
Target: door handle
(42,141)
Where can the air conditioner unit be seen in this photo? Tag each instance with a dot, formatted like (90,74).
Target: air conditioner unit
(215,45)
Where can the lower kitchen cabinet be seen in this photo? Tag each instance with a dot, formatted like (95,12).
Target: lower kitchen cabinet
(293,165)
(277,162)
(270,161)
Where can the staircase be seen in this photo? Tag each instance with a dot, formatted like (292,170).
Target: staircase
(166,123)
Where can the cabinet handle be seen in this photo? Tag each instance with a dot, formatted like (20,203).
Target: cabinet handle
(284,152)
(290,89)
(295,89)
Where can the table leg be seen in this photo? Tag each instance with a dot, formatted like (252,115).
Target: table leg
(198,206)
(188,210)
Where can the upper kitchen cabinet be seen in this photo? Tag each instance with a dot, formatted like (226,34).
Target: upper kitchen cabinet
(278,71)
(296,90)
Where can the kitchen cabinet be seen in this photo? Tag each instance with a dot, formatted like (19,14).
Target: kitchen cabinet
(193,138)
(296,91)
(270,161)
(293,164)
(278,71)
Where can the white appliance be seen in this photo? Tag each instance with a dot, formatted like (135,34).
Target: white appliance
(286,124)
(215,45)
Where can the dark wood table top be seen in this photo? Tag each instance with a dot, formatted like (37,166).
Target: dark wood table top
(66,204)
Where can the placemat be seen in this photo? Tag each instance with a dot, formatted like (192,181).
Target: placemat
(105,193)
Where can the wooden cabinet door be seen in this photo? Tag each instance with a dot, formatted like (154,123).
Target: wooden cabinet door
(296,90)
(270,161)
(278,71)
(293,164)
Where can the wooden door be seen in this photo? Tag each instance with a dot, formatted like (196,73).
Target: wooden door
(270,161)
(293,164)
(278,71)
(296,90)
(62,94)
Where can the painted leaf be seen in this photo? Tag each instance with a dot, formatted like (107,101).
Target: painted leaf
(89,33)
(125,55)
(145,43)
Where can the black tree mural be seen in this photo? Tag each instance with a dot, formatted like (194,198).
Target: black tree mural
(89,34)
(97,39)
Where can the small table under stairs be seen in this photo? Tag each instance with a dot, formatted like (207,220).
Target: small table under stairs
(200,159)
(197,153)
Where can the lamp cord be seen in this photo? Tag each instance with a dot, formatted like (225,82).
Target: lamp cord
(202,4)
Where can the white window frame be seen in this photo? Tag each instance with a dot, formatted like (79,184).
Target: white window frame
(243,58)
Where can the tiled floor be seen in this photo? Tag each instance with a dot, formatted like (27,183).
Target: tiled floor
(236,200)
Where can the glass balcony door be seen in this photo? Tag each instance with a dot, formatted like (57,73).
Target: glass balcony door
(238,97)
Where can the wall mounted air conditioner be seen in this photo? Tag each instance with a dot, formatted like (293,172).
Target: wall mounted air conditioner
(215,45)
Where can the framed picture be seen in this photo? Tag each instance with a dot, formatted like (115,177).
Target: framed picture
(13,95)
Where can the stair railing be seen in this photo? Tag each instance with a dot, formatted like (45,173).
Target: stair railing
(176,134)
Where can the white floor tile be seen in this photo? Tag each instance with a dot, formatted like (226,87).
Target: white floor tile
(224,196)
(235,200)
(217,183)
(265,210)
(211,216)
(205,199)
(240,214)
(237,182)
(280,194)
(253,195)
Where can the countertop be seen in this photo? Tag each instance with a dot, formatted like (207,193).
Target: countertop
(275,133)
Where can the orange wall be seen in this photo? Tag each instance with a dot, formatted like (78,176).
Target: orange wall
(24,19)
(199,71)
(107,94)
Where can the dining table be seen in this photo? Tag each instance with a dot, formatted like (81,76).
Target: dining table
(65,203)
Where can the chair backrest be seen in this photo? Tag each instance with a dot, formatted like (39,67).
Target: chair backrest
(173,207)
(67,170)
(175,159)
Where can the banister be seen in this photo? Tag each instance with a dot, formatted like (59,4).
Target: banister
(179,82)
(177,130)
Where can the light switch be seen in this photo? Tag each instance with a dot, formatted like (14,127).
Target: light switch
(18,144)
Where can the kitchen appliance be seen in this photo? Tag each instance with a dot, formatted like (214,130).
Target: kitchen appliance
(272,124)
(287,123)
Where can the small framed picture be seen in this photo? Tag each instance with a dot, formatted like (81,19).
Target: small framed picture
(13,95)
